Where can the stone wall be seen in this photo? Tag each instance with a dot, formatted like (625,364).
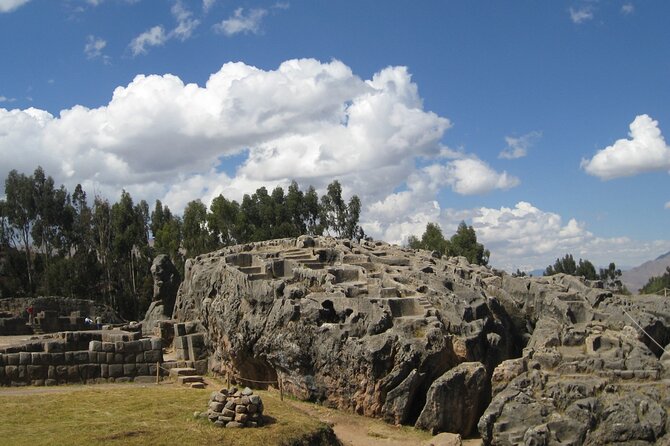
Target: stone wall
(80,357)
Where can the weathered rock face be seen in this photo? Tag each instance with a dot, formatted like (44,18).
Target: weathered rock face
(403,335)
(364,327)
(166,284)
(589,373)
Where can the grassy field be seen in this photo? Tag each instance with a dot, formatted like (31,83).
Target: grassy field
(137,415)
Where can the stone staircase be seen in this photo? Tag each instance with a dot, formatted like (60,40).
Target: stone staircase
(187,376)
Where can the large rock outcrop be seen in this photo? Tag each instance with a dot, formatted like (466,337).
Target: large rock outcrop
(413,338)
(366,327)
(166,284)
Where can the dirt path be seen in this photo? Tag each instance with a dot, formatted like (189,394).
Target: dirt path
(356,430)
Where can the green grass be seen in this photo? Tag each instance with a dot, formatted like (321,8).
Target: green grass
(137,415)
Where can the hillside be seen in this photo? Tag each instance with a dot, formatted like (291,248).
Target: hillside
(637,277)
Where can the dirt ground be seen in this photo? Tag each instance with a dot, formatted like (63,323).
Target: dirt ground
(356,430)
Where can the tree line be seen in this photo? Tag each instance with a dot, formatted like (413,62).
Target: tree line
(462,243)
(53,242)
(610,276)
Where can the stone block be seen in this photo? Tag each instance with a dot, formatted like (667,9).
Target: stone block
(153,369)
(216,406)
(241,417)
(142,369)
(93,357)
(124,379)
(201,366)
(115,370)
(25,358)
(12,359)
(228,413)
(179,329)
(129,369)
(120,346)
(226,419)
(37,382)
(153,356)
(73,373)
(2,359)
(61,373)
(118,358)
(2,373)
(139,357)
(80,357)
(51,372)
(57,358)
(36,372)
(181,342)
(146,344)
(240,409)
(129,358)
(95,346)
(104,371)
(230,405)
(50,382)
(156,343)
(234,424)
(54,346)
(89,371)
(133,346)
(252,408)
(11,372)
(40,358)
(108,347)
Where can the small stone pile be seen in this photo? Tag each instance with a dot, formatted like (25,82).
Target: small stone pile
(235,408)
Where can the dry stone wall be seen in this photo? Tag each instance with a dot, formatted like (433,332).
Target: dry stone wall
(80,357)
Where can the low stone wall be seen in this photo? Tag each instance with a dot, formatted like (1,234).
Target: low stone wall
(80,357)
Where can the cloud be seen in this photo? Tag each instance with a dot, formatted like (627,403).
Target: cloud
(93,49)
(157,36)
(305,120)
(207,5)
(581,14)
(645,151)
(11,5)
(471,176)
(6,99)
(154,37)
(627,8)
(186,24)
(241,23)
(667,205)
(517,147)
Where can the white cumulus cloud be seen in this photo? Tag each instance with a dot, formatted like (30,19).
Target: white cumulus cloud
(240,22)
(470,176)
(645,151)
(517,147)
(627,8)
(11,5)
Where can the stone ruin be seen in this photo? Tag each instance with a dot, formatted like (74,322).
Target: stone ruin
(81,357)
(235,408)
(434,342)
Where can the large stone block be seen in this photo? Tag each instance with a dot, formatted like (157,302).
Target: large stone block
(12,359)
(108,347)
(153,356)
(115,370)
(25,358)
(129,369)
(95,346)
(36,372)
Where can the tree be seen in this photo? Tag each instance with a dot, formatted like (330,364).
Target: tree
(586,269)
(196,236)
(464,243)
(432,240)
(566,265)
(657,283)
(20,211)
(339,217)
(312,212)
(222,221)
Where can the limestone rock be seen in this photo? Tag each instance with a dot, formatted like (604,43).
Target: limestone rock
(455,400)
(444,439)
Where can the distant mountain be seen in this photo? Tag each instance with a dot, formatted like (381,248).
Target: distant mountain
(637,277)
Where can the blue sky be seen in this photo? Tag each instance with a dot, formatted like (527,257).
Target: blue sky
(540,123)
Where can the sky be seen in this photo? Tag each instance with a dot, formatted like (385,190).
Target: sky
(541,124)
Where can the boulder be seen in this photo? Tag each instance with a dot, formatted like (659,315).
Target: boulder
(455,400)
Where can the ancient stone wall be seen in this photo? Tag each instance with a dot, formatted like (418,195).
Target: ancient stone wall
(80,357)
